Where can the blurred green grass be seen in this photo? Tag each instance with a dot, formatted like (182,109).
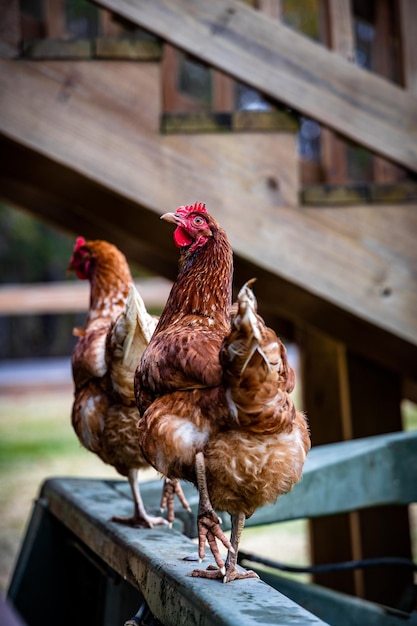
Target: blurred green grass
(36,428)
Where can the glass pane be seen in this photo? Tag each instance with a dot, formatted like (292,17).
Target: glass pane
(302,16)
(194,79)
(33,8)
(364,41)
(81,19)
(309,139)
(248,99)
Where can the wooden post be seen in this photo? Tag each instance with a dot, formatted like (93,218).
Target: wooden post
(384,171)
(347,397)
(340,39)
(55,19)
(326,402)
(375,397)
(408,25)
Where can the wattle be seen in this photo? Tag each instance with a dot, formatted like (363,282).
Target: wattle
(182,238)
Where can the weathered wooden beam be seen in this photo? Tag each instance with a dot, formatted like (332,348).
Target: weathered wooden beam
(288,67)
(359,194)
(408,21)
(237,121)
(97,48)
(81,146)
(154,562)
(326,400)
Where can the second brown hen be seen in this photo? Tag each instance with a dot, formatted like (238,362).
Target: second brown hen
(117,330)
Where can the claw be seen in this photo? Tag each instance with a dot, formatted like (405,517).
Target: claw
(170,489)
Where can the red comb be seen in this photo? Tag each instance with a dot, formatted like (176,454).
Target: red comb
(80,241)
(197,207)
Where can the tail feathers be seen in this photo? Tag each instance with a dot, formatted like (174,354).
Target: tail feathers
(133,330)
(257,375)
(139,328)
(250,335)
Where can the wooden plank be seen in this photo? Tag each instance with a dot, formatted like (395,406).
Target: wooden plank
(109,26)
(238,121)
(339,195)
(385,63)
(326,401)
(341,28)
(55,27)
(408,24)
(127,48)
(273,8)
(375,402)
(287,66)
(81,130)
(341,40)
(271,121)
(153,561)
(57,49)
(70,296)
(345,397)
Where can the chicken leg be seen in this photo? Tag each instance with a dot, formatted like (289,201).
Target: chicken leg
(171,488)
(140,517)
(208,522)
(230,571)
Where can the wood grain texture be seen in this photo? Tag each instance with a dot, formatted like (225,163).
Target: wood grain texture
(154,562)
(408,21)
(287,66)
(100,124)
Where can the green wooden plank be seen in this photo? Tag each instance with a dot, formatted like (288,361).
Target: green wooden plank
(152,560)
(268,121)
(338,609)
(360,194)
(127,48)
(38,49)
(348,476)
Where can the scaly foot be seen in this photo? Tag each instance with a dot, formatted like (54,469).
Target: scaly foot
(140,521)
(172,488)
(226,575)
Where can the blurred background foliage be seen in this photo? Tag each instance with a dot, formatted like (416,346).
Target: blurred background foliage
(31,251)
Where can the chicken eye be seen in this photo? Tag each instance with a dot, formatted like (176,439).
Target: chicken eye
(198,220)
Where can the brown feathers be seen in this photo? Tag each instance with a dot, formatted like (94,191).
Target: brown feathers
(117,330)
(213,391)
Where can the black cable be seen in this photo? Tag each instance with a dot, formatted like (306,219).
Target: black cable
(329,567)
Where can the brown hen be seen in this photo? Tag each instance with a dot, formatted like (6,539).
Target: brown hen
(118,329)
(214,395)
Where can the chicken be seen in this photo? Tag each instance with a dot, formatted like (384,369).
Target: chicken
(213,393)
(118,329)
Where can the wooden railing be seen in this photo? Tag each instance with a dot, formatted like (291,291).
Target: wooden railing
(77,567)
(69,297)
